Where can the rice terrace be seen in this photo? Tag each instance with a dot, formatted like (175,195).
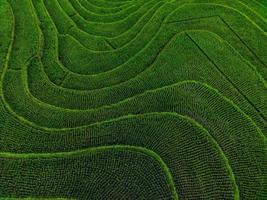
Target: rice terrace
(133,99)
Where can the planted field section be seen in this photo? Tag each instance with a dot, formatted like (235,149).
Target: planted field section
(133,99)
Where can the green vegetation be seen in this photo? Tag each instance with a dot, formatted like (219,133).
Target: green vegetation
(133,99)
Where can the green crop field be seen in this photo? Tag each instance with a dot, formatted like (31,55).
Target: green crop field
(133,99)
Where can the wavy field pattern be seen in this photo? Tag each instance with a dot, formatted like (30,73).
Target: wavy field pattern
(133,99)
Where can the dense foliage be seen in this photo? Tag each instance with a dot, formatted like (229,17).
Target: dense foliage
(133,99)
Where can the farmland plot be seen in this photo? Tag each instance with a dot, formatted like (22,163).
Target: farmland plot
(133,99)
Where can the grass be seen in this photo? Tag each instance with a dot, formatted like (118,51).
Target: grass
(133,99)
